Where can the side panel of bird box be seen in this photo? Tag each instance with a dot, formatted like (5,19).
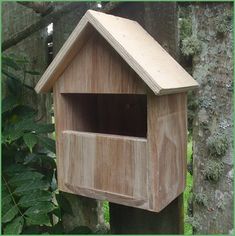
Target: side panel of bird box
(97,68)
(167,148)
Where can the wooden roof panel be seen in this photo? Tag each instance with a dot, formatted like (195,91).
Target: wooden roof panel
(147,58)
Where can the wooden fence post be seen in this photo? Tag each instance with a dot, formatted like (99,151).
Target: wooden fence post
(160,20)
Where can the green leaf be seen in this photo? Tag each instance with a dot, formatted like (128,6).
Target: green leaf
(40,208)
(6,199)
(48,143)
(22,177)
(44,128)
(38,219)
(30,140)
(8,103)
(31,186)
(35,197)
(41,160)
(16,168)
(14,227)
(13,135)
(9,213)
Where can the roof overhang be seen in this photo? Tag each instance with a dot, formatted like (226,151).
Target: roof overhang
(141,52)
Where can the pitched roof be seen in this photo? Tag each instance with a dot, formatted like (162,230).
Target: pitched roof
(141,52)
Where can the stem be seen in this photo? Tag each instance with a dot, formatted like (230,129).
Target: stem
(12,197)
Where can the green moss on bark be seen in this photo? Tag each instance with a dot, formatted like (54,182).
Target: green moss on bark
(190,46)
(217,144)
(213,170)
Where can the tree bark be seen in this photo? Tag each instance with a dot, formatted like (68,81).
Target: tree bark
(212,131)
(15,17)
(20,35)
(160,20)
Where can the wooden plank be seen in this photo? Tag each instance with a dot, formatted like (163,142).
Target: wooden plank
(112,164)
(167,143)
(97,68)
(141,52)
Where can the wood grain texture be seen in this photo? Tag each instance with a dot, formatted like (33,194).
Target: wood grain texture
(109,167)
(167,143)
(97,68)
(141,52)
(144,173)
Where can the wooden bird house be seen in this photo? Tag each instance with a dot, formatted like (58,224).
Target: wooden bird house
(120,113)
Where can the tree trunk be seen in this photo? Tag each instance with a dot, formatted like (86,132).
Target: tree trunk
(16,17)
(212,131)
(160,20)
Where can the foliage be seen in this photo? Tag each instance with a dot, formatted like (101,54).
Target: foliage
(106,211)
(28,166)
(31,202)
(187,192)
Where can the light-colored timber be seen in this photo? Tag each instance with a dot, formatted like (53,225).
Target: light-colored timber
(90,70)
(115,139)
(110,163)
(140,51)
(167,143)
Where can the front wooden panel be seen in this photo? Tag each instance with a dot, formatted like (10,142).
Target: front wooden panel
(108,167)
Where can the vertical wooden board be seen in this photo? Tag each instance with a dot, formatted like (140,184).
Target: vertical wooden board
(97,68)
(167,143)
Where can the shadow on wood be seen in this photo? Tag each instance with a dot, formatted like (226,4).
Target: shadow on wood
(129,220)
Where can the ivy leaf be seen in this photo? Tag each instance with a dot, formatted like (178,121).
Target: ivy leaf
(35,197)
(40,208)
(30,140)
(9,213)
(14,227)
(38,219)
